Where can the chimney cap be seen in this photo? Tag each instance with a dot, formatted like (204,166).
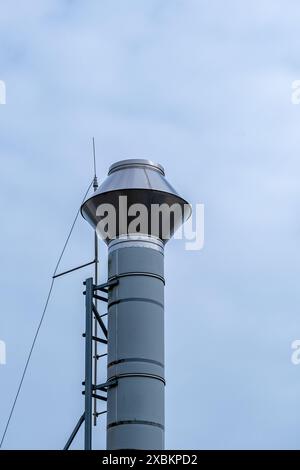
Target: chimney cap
(136,163)
(142,182)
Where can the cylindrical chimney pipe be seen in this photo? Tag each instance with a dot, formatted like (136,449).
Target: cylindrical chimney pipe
(135,406)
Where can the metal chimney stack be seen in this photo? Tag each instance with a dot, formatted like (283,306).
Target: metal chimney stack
(135,406)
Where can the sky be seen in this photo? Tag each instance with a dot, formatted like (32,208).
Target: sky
(204,88)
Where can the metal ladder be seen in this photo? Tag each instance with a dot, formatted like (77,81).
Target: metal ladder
(90,390)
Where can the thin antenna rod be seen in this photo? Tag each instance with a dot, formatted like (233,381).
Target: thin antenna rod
(94,154)
(96,255)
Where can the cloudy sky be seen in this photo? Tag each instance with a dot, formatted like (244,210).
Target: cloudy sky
(204,88)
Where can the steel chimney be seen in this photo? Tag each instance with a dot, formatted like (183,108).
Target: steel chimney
(135,406)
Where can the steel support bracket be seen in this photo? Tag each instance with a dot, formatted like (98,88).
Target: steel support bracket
(109,384)
(107,285)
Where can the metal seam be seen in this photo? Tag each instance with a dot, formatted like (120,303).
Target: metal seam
(134,359)
(137,421)
(148,179)
(127,274)
(137,374)
(136,243)
(134,299)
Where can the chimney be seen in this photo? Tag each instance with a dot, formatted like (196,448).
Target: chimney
(136,190)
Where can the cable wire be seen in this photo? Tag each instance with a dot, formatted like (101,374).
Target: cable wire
(41,319)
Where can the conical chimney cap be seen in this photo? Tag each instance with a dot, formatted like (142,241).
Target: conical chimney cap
(143,182)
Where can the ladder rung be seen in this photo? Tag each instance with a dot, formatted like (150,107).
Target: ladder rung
(95,338)
(99,297)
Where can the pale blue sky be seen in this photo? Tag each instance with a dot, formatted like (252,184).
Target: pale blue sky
(204,88)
